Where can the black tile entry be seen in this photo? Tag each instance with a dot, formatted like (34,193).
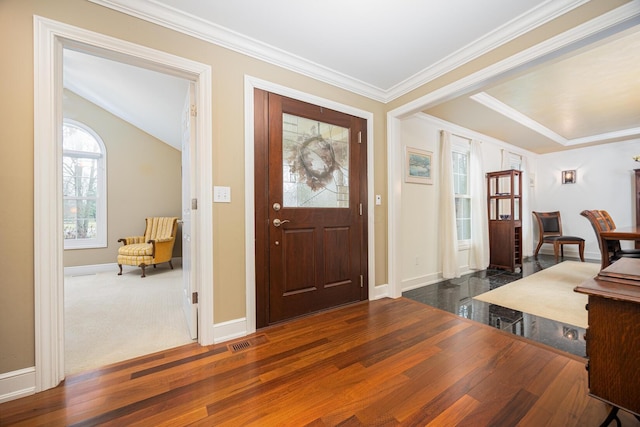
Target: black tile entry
(455,296)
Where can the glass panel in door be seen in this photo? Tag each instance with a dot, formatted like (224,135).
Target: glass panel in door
(315,163)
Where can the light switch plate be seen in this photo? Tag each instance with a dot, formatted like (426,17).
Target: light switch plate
(221,194)
(378,199)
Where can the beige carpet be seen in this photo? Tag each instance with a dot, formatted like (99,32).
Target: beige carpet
(111,318)
(548,293)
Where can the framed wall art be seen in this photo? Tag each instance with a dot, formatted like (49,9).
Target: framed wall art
(418,166)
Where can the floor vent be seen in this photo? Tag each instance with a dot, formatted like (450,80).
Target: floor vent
(251,342)
(240,346)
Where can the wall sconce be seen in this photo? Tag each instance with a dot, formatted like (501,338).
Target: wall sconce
(569,177)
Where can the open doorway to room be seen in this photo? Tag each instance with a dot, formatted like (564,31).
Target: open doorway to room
(126,156)
(50,39)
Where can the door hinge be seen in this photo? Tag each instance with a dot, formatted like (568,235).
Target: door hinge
(194,111)
(361,281)
(194,297)
(194,204)
(360,209)
(359,137)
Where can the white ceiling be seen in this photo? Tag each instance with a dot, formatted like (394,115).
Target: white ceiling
(384,49)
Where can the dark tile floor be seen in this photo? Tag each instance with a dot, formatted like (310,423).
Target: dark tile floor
(456,296)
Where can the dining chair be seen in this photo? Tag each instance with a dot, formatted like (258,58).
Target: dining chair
(550,231)
(610,250)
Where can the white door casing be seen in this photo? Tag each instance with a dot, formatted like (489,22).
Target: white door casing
(50,37)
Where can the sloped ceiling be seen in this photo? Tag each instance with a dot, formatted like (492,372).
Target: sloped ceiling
(147,99)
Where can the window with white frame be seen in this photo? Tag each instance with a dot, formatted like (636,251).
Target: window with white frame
(83,187)
(515,161)
(460,158)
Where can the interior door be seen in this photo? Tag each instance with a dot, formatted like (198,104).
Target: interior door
(313,208)
(189,303)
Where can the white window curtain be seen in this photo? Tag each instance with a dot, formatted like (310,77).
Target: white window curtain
(479,250)
(527,222)
(448,231)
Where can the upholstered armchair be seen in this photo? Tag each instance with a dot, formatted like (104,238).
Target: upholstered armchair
(154,247)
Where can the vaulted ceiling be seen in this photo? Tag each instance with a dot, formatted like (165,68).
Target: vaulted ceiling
(385,49)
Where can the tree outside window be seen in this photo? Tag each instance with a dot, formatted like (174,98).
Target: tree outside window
(83,187)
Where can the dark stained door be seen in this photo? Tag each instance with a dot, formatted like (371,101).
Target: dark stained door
(310,208)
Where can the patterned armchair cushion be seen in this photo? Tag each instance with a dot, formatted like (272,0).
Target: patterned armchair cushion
(136,249)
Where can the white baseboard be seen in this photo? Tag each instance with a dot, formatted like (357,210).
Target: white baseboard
(230,330)
(379,292)
(17,384)
(420,281)
(86,270)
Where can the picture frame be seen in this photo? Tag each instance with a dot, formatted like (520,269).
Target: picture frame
(418,166)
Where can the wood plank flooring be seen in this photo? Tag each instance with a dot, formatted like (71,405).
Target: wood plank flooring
(383,363)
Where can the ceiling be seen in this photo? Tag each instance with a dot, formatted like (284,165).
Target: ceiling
(385,49)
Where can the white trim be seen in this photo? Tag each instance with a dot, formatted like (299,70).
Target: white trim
(231,330)
(85,270)
(502,108)
(579,36)
(420,281)
(49,39)
(197,27)
(251,83)
(379,292)
(515,115)
(17,384)
(616,20)
(518,26)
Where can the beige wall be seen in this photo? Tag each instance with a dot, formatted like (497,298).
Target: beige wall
(143,179)
(16,149)
(16,156)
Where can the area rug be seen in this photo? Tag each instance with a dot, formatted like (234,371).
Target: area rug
(548,293)
(111,318)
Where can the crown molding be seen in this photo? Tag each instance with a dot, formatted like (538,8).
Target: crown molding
(511,30)
(515,115)
(510,113)
(168,17)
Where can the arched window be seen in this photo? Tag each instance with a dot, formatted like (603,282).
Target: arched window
(84,187)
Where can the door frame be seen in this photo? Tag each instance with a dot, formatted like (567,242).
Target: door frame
(50,37)
(251,83)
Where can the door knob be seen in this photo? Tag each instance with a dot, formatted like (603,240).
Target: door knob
(277,222)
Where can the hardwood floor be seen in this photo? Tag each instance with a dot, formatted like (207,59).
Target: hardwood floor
(386,362)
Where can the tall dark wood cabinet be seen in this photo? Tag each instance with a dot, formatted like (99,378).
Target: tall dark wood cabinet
(504,203)
(613,336)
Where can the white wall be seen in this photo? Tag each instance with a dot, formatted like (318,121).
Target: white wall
(605,180)
(420,260)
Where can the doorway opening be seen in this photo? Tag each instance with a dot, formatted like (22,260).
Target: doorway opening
(142,120)
(51,38)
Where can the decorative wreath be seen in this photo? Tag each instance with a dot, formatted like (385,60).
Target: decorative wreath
(315,162)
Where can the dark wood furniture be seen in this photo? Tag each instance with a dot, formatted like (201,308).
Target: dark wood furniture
(504,203)
(608,237)
(613,336)
(550,231)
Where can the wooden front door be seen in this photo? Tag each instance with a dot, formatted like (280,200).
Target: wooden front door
(311,228)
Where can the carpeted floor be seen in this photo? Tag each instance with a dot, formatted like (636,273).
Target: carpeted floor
(548,293)
(110,318)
